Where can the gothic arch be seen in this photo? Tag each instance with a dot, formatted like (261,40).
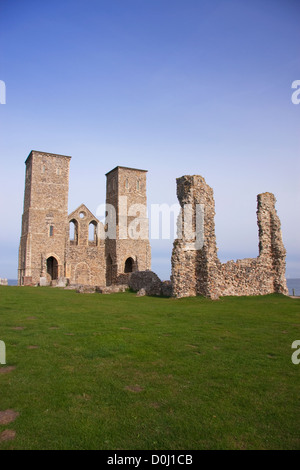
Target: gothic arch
(52,266)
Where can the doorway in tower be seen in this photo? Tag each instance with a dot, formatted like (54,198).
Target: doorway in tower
(129,265)
(52,268)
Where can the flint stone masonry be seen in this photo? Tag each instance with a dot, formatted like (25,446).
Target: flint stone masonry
(141,292)
(113,289)
(166,289)
(91,256)
(198,271)
(58,249)
(126,192)
(147,280)
(86,290)
(3,282)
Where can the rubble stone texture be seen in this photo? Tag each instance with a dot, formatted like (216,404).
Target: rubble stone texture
(198,271)
(166,288)
(113,289)
(147,280)
(51,253)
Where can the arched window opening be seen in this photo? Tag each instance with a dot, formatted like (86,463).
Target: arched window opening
(73,226)
(129,263)
(93,237)
(52,268)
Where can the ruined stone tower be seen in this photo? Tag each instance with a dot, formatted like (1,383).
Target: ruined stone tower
(193,267)
(198,271)
(44,220)
(127,249)
(57,248)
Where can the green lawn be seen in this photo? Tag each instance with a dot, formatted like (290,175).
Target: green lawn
(124,372)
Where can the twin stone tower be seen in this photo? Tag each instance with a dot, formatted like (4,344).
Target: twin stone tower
(57,248)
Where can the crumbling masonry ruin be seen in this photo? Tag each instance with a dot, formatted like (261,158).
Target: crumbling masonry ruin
(52,254)
(58,249)
(198,271)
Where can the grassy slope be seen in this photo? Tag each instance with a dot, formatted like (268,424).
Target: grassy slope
(122,372)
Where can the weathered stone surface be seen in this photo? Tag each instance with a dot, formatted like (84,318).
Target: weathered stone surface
(27,281)
(147,280)
(85,260)
(49,254)
(62,282)
(141,292)
(113,289)
(166,289)
(43,282)
(198,271)
(45,218)
(129,250)
(3,282)
(86,290)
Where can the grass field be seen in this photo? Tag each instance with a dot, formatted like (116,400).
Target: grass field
(119,372)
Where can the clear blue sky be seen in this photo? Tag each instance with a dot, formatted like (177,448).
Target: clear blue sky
(172,86)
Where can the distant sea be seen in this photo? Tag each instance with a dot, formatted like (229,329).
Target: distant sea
(291,283)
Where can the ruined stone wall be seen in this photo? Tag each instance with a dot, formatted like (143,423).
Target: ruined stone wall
(198,271)
(146,280)
(85,256)
(194,270)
